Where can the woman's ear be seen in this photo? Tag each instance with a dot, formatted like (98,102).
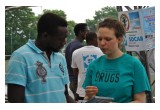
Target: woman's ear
(120,39)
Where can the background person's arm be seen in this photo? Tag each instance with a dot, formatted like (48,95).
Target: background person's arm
(75,72)
(16,93)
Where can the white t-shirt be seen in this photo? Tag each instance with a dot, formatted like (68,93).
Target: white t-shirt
(81,58)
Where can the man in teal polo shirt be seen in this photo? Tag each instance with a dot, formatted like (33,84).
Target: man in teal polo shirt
(37,72)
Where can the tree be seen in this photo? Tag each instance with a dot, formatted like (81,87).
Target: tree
(58,12)
(106,12)
(91,24)
(20,25)
(71,34)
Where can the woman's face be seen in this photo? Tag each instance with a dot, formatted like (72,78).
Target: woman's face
(107,40)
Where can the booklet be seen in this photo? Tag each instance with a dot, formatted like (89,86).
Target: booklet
(100,99)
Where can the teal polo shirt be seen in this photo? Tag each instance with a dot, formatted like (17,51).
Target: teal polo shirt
(44,81)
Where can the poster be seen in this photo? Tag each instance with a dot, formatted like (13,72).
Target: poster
(148,21)
(139,26)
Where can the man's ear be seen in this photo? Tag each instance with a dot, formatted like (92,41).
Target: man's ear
(80,32)
(45,34)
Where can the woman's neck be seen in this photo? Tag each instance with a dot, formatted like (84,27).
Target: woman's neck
(115,55)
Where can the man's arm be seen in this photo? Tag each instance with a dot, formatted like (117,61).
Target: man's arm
(75,72)
(68,97)
(16,93)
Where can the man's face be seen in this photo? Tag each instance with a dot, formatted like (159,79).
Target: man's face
(84,32)
(57,41)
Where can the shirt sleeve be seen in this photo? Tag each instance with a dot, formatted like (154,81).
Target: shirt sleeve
(66,76)
(16,70)
(141,83)
(73,63)
(88,79)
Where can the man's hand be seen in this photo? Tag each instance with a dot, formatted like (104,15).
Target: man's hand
(68,97)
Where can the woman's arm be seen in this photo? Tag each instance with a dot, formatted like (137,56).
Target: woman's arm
(139,98)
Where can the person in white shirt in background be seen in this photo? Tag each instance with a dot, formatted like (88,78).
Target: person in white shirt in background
(81,58)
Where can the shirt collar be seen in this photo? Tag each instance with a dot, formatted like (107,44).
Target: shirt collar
(31,43)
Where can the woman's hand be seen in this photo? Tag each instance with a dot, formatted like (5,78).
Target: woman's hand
(91,91)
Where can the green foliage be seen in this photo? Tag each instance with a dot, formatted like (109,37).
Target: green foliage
(57,12)
(20,25)
(91,24)
(106,12)
(71,34)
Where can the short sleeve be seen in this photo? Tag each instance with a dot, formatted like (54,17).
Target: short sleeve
(141,83)
(73,63)
(16,70)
